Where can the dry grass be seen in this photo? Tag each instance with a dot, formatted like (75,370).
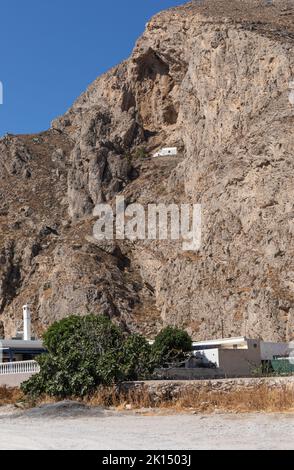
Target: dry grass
(259,399)
(243,400)
(10,396)
(112,396)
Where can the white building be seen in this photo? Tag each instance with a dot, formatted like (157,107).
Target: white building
(238,356)
(17,356)
(229,356)
(166,152)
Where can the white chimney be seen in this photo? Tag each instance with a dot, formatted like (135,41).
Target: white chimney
(26,323)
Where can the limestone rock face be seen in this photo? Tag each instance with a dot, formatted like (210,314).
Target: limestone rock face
(215,79)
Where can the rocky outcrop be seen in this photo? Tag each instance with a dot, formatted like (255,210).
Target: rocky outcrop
(212,78)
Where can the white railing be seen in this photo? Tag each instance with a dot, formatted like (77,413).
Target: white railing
(24,367)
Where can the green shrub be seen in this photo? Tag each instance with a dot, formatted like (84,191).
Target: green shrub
(140,153)
(85,352)
(171,345)
(137,358)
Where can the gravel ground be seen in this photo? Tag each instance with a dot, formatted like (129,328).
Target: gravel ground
(74,427)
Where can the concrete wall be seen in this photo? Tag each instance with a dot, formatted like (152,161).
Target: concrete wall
(239,362)
(231,362)
(269,350)
(14,380)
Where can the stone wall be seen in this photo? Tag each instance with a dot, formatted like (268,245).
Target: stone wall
(167,389)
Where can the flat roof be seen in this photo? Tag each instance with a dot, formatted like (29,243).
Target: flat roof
(20,344)
(212,342)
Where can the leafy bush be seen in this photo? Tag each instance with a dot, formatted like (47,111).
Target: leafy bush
(171,345)
(137,358)
(85,352)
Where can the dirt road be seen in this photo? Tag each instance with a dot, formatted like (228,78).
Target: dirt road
(52,428)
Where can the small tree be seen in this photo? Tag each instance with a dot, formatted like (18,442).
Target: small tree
(85,352)
(137,358)
(171,345)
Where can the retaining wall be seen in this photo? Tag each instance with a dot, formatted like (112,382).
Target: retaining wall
(14,380)
(162,389)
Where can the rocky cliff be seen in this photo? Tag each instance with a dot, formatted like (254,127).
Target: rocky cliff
(213,78)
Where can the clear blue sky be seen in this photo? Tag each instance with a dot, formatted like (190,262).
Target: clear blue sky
(52,49)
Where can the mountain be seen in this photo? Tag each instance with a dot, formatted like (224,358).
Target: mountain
(214,79)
